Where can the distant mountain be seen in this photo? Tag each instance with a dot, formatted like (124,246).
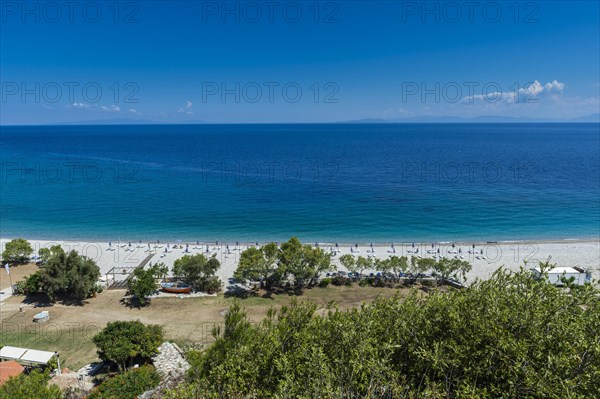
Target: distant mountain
(477,119)
(587,118)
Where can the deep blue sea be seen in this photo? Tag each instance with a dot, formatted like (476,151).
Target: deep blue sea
(330,182)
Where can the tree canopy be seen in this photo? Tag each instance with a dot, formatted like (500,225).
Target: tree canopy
(124,341)
(275,265)
(196,270)
(17,251)
(511,336)
(66,275)
(28,386)
(142,282)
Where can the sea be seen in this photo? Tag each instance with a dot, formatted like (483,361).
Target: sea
(376,183)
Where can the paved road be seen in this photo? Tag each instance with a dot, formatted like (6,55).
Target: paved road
(5,293)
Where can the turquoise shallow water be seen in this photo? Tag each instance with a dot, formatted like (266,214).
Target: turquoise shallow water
(321,182)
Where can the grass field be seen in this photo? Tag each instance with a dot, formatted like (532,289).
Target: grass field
(186,321)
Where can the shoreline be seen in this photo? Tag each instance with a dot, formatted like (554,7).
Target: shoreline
(378,243)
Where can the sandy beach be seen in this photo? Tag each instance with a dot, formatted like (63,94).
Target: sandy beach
(485,257)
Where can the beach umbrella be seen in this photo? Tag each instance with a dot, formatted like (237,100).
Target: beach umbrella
(473,246)
(482,251)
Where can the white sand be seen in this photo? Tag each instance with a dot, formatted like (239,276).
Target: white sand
(511,255)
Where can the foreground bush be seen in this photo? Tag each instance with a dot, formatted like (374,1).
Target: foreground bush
(28,386)
(509,337)
(127,385)
(124,342)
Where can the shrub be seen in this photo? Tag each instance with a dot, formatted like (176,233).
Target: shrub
(127,385)
(19,287)
(324,282)
(338,280)
(378,283)
(124,341)
(363,282)
(213,285)
(496,338)
(428,283)
(17,251)
(28,386)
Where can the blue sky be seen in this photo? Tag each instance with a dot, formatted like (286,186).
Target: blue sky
(297,61)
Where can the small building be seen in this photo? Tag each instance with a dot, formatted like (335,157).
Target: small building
(555,276)
(10,369)
(28,357)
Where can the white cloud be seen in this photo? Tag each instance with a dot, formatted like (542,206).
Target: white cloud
(79,105)
(112,108)
(187,109)
(133,111)
(531,93)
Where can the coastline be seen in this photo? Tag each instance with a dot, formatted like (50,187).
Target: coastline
(509,254)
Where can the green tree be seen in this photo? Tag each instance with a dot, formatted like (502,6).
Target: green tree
(142,282)
(127,385)
(258,264)
(398,264)
(17,251)
(124,341)
(29,386)
(349,262)
(363,263)
(69,275)
(445,269)
(196,270)
(303,262)
(47,253)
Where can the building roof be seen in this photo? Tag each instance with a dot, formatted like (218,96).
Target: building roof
(9,369)
(560,270)
(24,355)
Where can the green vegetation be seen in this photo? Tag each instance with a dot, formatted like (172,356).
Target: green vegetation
(65,275)
(199,272)
(508,337)
(128,384)
(47,253)
(17,251)
(142,283)
(124,342)
(29,386)
(258,264)
(274,266)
